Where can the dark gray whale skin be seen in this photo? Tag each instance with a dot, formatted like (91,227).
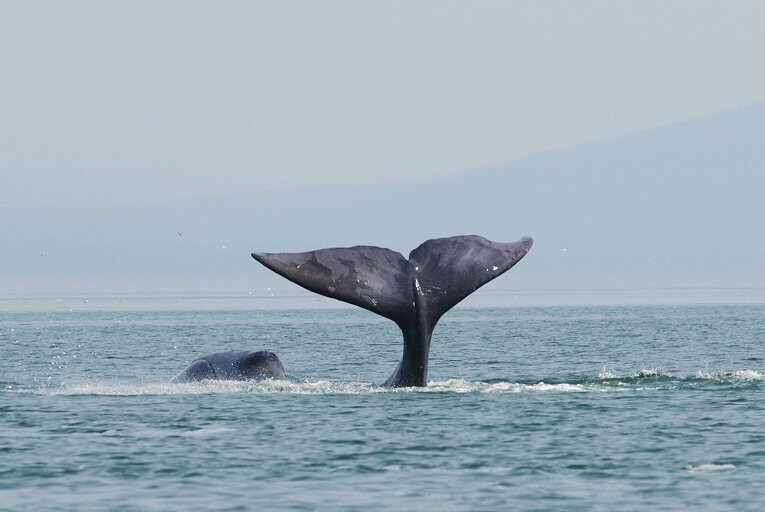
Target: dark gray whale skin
(414,293)
(233,365)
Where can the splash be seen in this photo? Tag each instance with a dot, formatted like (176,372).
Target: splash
(607,373)
(652,373)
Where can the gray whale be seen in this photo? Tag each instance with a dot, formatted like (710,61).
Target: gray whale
(413,292)
(233,365)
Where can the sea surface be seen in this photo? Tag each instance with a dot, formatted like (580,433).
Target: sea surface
(540,408)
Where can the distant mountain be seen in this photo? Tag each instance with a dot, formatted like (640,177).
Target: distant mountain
(682,205)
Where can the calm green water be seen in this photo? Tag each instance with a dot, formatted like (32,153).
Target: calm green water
(570,408)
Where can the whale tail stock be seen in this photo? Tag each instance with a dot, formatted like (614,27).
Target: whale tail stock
(414,293)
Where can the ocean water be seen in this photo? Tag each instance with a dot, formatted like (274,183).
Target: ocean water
(528,408)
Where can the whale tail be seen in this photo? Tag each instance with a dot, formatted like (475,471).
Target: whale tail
(414,293)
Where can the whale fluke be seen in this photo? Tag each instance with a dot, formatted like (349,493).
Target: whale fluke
(414,293)
(373,278)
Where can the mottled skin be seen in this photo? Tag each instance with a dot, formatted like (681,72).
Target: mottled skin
(233,365)
(414,293)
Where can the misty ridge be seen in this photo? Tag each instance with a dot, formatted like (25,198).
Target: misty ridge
(676,206)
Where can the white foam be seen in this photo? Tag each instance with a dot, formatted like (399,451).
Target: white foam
(710,467)
(208,432)
(746,375)
(320,387)
(513,387)
(325,387)
(205,387)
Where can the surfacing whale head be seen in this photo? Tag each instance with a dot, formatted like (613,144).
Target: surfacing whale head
(234,365)
(262,365)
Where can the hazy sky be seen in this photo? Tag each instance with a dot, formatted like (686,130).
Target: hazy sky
(104,101)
